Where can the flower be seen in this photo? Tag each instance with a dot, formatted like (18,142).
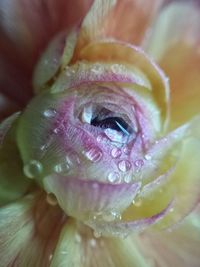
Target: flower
(103,174)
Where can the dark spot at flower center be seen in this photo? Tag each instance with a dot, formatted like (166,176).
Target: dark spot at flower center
(114,123)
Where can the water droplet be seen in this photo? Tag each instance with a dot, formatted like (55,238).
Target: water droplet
(139,163)
(171,210)
(124,165)
(56,130)
(138,203)
(97,69)
(87,114)
(147,157)
(116,152)
(114,177)
(115,68)
(93,242)
(94,154)
(33,169)
(115,136)
(126,150)
(50,113)
(43,147)
(127,179)
(102,139)
(51,199)
(97,234)
(111,216)
(50,257)
(63,252)
(78,238)
(62,168)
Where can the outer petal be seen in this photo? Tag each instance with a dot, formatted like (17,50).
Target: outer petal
(106,19)
(78,247)
(175,44)
(177,248)
(87,199)
(25,29)
(29,230)
(13,183)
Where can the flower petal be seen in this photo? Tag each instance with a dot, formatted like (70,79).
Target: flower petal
(29,229)
(106,19)
(83,199)
(118,52)
(25,29)
(179,247)
(79,247)
(175,44)
(13,183)
(123,229)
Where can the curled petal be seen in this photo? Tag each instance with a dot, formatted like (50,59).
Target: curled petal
(122,229)
(13,183)
(83,199)
(118,52)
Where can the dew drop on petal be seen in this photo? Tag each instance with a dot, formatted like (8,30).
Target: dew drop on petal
(56,130)
(78,238)
(86,115)
(137,203)
(33,168)
(147,157)
(94,154)
(97,234)
(124,165)
(114,177)
(114,136)
(51,199)
(139,163)
(127,179)
(62,168)
(49,113)
(111,216)
(92,242)
(116,152)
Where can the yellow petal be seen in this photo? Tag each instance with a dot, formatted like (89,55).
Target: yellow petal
(175,44)
(179,247)
(79,247)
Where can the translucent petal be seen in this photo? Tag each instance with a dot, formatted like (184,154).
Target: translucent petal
(88,199)
(174,43)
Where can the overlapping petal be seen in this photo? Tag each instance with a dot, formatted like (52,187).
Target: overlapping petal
(174,43)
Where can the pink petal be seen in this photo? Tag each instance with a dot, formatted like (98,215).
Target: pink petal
(81,198)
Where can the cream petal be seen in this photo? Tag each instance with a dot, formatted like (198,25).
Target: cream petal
(106,19)
(110,51)
(79,247)
(88,199)
(125,228)
(29,229)
(179,247)
(175,44)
